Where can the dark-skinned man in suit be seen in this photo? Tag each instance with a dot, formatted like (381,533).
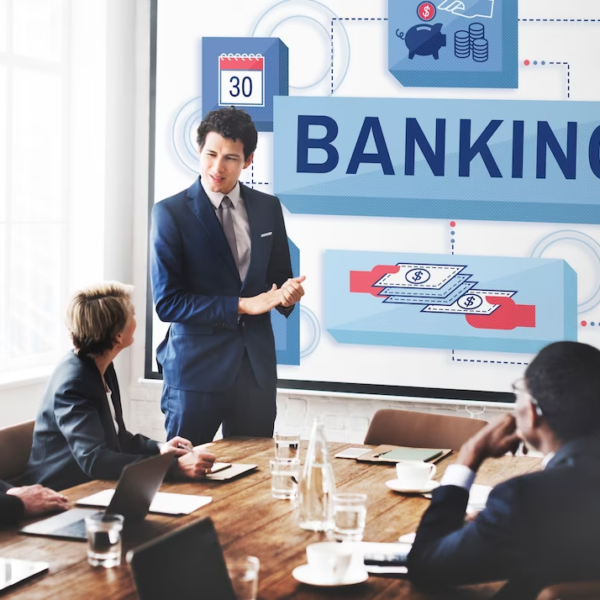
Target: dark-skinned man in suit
(540,528)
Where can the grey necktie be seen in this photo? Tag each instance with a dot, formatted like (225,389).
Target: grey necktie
(225,209)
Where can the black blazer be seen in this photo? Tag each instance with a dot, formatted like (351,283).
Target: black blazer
(536,530)
(74,438)
(12,508)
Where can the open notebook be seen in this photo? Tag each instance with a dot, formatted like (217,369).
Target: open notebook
(386,453)
(163,503)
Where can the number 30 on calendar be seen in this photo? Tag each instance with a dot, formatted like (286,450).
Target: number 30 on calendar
(241,80)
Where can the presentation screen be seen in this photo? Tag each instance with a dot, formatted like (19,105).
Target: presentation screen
(438,165)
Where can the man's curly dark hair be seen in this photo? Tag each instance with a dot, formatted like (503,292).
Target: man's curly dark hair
(231,123)
(564,378)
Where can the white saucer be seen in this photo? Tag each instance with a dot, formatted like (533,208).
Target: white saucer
(304,574)
(394,484)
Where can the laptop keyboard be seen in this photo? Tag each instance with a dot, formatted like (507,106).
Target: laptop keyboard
(75,529)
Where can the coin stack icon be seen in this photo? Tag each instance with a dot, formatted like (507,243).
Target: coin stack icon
(480,50)
(462,44)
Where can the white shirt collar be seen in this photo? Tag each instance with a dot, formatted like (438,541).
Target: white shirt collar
(217,197)
(547,459)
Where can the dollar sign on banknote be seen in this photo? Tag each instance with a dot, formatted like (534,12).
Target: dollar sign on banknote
(418,276)
(470,301)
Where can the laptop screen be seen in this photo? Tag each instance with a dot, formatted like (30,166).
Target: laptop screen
(186,563)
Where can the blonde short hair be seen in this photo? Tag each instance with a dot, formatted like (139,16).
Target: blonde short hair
(97,314)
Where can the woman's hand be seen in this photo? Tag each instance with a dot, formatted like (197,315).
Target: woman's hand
(177,446)
(195,464)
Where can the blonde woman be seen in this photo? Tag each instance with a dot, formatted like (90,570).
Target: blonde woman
(79,431)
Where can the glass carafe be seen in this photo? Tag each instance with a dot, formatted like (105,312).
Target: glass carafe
(317,484)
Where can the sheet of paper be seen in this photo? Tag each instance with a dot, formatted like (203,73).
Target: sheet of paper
(163,503)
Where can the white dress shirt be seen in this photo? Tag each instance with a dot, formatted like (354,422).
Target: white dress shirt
(241,226)
(462,476)
(111,407)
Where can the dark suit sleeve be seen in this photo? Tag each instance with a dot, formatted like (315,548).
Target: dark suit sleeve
(174,304)
(79,421)
(447,553)
(280,264)
(138,444)
(12,510)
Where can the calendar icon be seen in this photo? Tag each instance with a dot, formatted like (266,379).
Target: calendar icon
(241,80)
(246,72)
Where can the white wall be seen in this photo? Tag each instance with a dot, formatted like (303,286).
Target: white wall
(111,119)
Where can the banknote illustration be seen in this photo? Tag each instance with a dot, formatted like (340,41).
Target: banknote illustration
(475,302)
(488,303)
(441,288)
(431,277)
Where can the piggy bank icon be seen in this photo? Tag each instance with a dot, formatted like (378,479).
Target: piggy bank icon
(424,40)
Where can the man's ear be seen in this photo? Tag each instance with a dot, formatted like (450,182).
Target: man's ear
(248,161)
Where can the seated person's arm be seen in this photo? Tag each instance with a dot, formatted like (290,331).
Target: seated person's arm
(487,549)
(12,510)
(33,501)
(79,422)
(138,444)
(446,553)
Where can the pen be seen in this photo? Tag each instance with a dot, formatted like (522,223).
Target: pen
(185,447)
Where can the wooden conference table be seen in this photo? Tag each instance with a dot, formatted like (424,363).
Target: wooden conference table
(250,521)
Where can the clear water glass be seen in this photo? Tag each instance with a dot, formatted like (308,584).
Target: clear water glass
(287,445)
(349,516)
(104,539)
(284,478)
(243,572)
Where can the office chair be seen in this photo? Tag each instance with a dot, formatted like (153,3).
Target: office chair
(15,448)
(420,430)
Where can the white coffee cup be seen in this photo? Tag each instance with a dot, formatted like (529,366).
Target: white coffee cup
(414,474)
(329,561)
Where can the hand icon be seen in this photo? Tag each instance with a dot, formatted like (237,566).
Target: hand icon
(469,9)
(507,316)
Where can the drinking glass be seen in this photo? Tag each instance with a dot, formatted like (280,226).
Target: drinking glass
(243,572)
(349,516)
(287,445)
(284,478)
(104,539)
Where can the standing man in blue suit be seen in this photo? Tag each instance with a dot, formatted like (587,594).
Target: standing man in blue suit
(220,263)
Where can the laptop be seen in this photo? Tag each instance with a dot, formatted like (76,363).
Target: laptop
(186,563)
(135,491)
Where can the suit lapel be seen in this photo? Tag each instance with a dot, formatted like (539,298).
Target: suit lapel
(204,211)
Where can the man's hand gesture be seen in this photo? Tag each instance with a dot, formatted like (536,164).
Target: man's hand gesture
(494,440)
(292,290)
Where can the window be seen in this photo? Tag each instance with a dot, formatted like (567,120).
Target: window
(34,152)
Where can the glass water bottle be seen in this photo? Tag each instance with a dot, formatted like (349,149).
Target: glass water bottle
(317,484)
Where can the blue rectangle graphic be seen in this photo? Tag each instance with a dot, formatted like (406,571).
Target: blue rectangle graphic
(430,158)
(514,305)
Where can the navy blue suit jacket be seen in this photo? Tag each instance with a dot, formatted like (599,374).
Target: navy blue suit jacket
(12,508)
(536,530)
(196,287)
(74,438)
